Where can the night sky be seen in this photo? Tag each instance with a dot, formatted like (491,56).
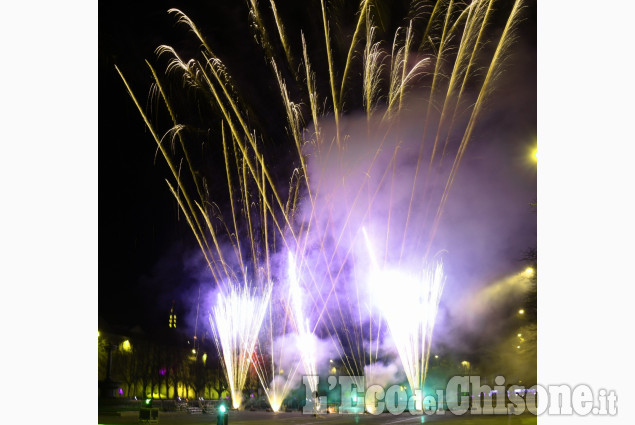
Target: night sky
(138,217)
(147,256)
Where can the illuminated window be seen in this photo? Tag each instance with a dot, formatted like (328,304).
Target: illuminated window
(172,322)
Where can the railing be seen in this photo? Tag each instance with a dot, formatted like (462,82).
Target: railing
(149,414)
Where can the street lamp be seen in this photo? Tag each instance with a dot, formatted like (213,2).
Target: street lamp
(521,311)
(222,418)
(125,346)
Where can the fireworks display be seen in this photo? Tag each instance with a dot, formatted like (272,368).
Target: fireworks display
(342,248)
(236,321)
(306,342)
(409,310)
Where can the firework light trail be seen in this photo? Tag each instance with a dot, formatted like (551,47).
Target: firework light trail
(306,339)
(274,366)
(235,320)
(433,71)
(409,306)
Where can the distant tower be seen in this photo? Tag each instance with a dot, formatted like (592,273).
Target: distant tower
(172,316)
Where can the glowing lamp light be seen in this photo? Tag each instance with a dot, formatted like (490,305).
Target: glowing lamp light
(120,391)
(222,409)
(519,335)
(529,271)
(193,351)
(436,356)
(125,346)
(518,346)
(521,311)
(148,401)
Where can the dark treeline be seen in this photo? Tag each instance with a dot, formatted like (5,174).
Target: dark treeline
(166,366)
